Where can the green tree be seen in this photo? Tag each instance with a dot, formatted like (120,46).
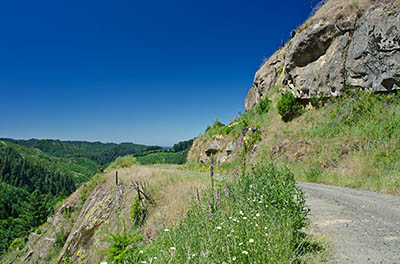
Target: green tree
(36,210)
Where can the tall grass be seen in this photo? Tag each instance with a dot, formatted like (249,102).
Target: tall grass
(259,219)
(360,133)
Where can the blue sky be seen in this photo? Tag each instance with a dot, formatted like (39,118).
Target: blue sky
(152,72)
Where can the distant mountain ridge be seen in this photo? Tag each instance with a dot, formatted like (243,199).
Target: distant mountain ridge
(101,153)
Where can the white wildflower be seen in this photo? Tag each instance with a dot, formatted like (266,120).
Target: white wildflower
(251,240)
(245,252)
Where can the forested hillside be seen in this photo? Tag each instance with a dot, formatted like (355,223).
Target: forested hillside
(101,153)
(28,192)
(176,155)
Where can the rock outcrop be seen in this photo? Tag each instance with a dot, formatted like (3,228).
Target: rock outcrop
(346,43)
(98,208)
(222,148)
(374,54)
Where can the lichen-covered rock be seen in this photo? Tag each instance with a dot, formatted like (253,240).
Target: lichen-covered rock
(97,209)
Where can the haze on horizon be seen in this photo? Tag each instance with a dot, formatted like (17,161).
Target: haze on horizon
(149,72)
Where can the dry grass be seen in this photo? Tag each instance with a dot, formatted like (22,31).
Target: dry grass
(170,188)
(334,10)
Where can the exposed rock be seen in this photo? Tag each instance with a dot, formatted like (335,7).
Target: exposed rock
(223,149)
(315,62)
(269,76)
(97,209)
(374,54)
(353,43)
(231,147)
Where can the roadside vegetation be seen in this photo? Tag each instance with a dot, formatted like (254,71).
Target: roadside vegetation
(259,217)
(352,140)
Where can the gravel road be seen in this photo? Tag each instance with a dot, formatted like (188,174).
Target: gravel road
(363,226)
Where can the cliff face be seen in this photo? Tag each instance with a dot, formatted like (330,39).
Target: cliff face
(346,43)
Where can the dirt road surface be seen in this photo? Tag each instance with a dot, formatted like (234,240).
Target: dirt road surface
(363,226)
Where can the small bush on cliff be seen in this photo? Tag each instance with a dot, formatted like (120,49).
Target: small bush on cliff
(217,128)
(263,106)
(289,108)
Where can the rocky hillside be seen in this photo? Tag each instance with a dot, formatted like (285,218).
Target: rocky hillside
(78,231)
(346,43)
(342,66)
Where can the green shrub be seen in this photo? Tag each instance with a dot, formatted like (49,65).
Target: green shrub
(263,106)
(217,124)
(317,101)
(217,128)
(124,247)
(244,121)
(228,129)
(289,108)
(138,212)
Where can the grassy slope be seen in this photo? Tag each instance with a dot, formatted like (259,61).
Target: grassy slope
(352,141)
